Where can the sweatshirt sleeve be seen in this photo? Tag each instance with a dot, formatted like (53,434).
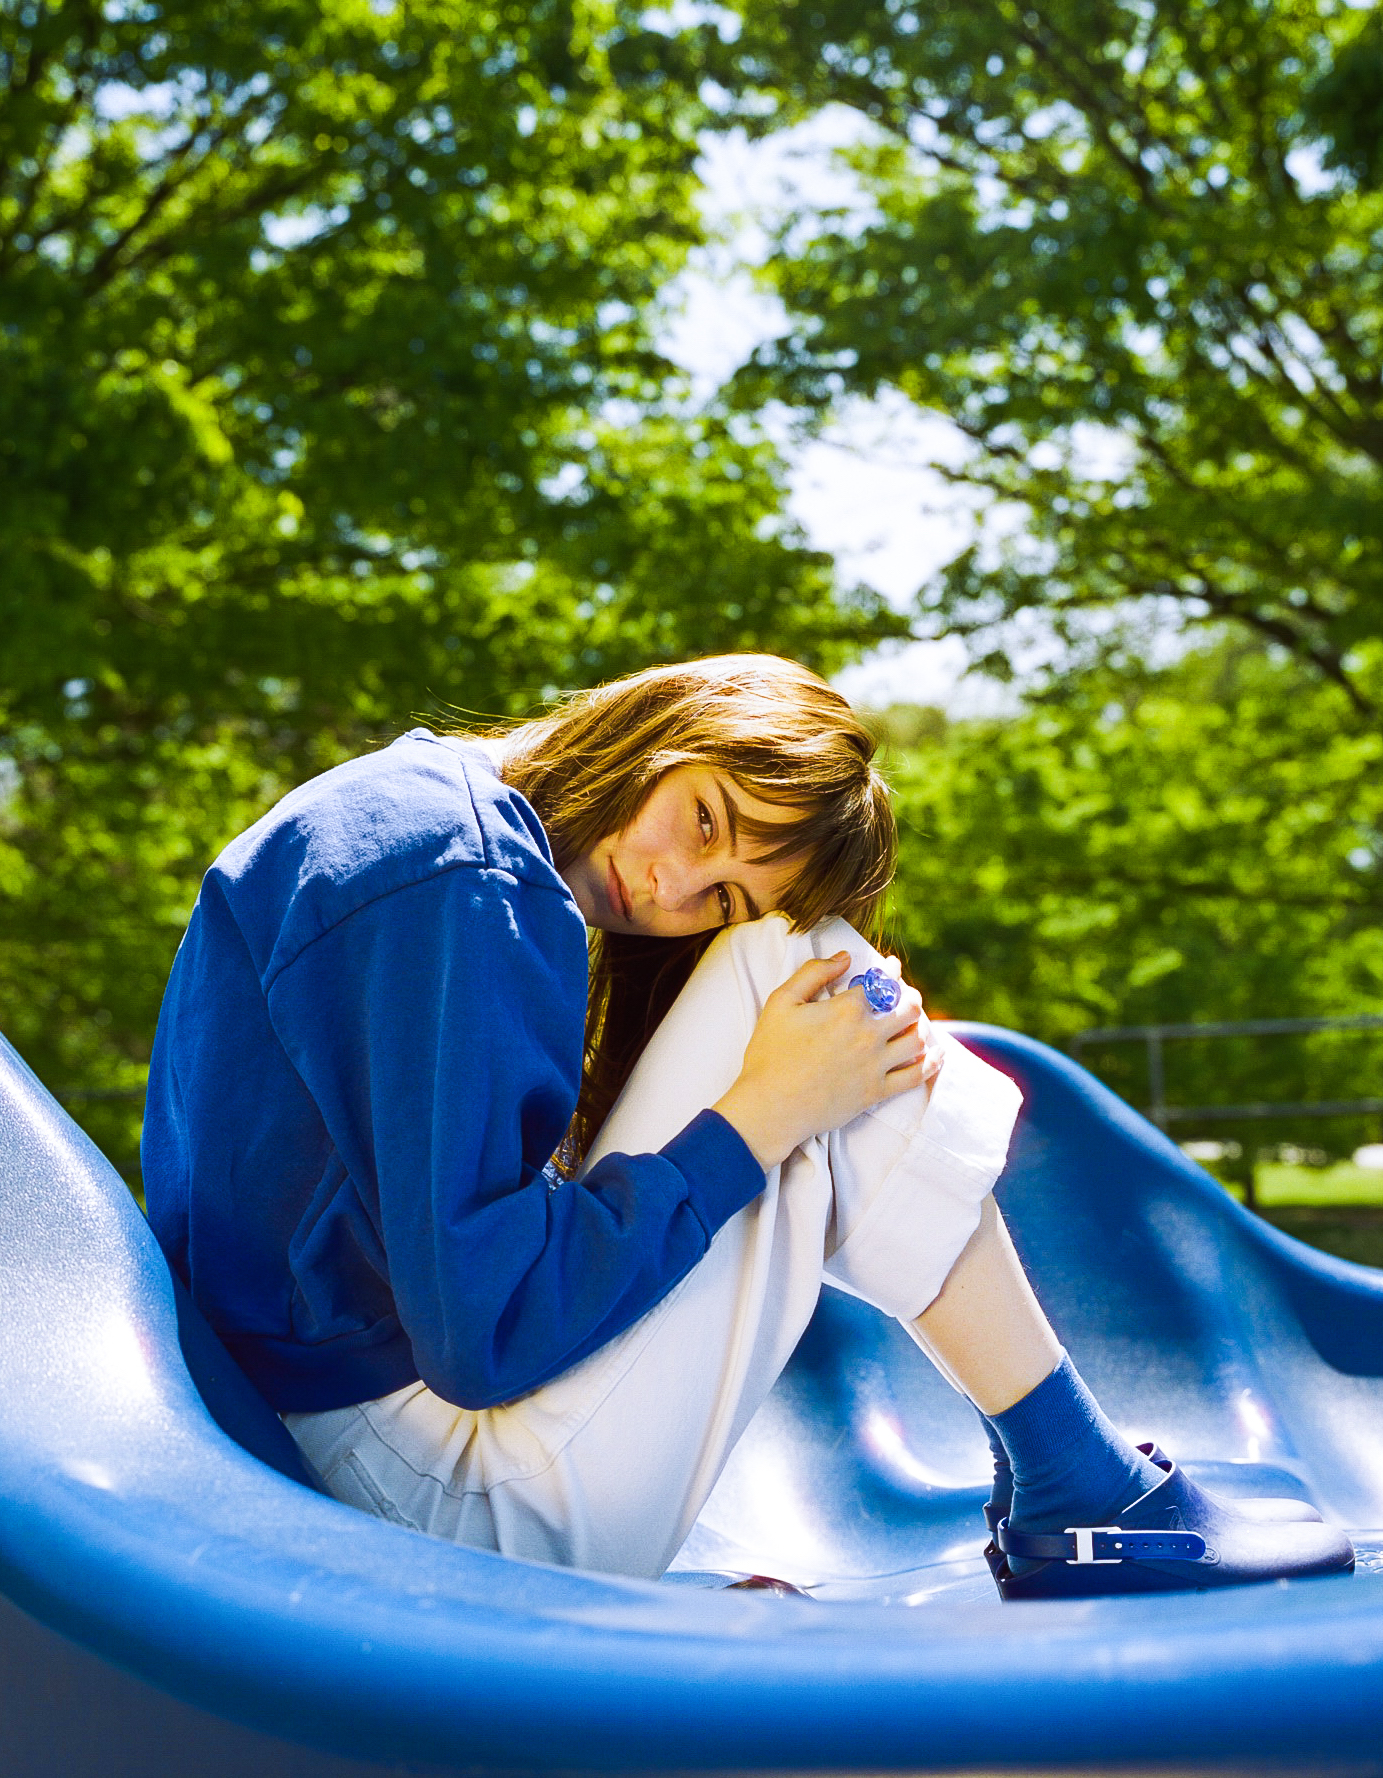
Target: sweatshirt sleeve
(439,1030)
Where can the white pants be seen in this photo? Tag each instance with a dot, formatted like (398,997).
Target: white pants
(607,1466)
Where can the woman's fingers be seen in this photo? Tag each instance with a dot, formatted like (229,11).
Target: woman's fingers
(918,1069)
(916,1044)
(906,1016)
(904,1033)
(910,1055)
(903,1080)
(807,981)
(819,1055)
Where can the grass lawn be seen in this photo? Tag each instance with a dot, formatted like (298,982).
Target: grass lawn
(1339,1208)
(1343,1183)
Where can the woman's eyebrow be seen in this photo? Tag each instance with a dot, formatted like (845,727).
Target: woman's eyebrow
(732,817)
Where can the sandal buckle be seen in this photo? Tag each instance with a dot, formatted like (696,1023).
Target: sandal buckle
(1085,1556)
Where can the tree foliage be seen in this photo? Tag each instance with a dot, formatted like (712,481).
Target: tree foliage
(101,850)
(325,334)
(1148,225)
(329,392)
(1199,842)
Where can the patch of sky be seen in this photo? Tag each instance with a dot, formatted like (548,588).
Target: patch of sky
(992,199)
(259,129)
(786,186)
(1312,363)
(545,333)
(1096,453)
(116,99)
(1048,120)
(868,492)
(566,483)
(857,489)
(614,314)
(119,12)
(1305,164)
(873,488)
(286,231)
(684,15)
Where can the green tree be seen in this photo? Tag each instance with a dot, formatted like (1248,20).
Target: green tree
(323,327)
(329,392)
(1198,842)
(101,851)
(1147,224)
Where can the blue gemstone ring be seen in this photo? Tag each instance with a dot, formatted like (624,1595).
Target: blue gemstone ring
(880,990)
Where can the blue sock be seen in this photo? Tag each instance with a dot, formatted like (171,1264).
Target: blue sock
(1001,1490)
(1070,1466)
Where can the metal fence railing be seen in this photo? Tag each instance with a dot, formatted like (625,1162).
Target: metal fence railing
(1154,1036)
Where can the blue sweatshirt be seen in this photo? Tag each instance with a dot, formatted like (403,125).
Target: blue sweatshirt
(369,1049)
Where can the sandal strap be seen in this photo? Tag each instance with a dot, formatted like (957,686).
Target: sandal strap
(1083,1544)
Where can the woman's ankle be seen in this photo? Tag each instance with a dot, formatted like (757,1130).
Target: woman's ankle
(1000,1502)
(1070,1464)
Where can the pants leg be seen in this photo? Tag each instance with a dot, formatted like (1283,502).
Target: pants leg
(607,1466)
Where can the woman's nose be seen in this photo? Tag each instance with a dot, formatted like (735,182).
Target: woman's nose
(674,885)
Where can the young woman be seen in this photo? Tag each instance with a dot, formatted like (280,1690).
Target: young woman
(517,1251)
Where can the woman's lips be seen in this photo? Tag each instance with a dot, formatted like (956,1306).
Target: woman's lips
(619,896)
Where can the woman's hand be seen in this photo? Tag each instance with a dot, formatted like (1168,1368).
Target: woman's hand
(812,1065)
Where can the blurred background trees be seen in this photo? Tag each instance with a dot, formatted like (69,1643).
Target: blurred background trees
(331,393)
(1156,846)
(1133,250)
(328,394)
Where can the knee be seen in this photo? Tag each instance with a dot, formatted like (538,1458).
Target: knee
(744,965)
(767,951)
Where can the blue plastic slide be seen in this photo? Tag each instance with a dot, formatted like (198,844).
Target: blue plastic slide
(174,1603)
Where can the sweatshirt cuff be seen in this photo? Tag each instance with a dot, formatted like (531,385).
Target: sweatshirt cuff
(719,1167)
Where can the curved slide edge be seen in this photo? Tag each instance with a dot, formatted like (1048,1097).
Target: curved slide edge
(136,1528)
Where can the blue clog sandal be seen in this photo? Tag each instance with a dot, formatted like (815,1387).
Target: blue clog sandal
(1175,1538)
(1268,1508)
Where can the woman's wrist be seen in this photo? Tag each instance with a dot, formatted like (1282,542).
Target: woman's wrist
(762,1130)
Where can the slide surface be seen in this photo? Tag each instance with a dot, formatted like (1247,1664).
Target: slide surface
(170,1600)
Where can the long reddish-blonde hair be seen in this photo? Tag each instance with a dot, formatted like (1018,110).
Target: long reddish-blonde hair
(779,732)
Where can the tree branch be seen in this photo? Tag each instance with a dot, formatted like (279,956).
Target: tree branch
(57,128)
(102,267)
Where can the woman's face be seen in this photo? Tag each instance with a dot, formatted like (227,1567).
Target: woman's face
(680,866)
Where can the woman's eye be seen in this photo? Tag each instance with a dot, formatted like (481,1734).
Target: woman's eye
(727,902)
(704,821)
